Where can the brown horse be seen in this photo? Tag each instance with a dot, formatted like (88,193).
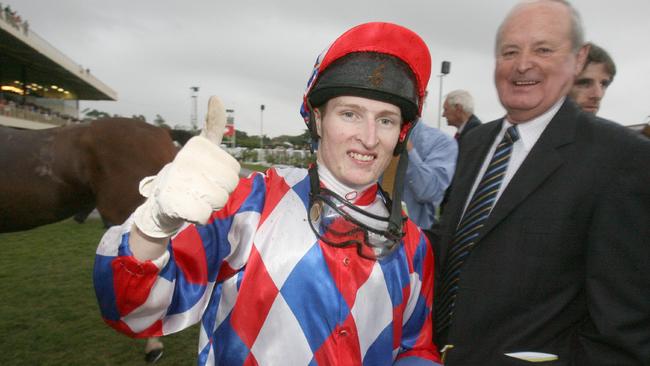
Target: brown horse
(52,174)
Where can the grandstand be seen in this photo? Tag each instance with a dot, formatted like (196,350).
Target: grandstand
(40,87)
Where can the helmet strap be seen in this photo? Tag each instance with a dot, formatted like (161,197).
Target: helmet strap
(395,220)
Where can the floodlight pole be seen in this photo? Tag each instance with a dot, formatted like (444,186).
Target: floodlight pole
(231,121)
(444,70)
(193,114)
(262,126)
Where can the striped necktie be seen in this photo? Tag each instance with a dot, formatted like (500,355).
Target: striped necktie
(469,228)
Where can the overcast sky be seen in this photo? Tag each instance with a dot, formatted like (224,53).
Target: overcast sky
(252,53)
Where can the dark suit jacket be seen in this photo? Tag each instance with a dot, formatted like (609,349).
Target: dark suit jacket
(472,122)
(563,263)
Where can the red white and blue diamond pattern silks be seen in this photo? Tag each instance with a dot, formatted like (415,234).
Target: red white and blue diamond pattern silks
(266,291)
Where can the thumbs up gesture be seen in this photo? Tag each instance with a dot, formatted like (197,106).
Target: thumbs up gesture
(198,181)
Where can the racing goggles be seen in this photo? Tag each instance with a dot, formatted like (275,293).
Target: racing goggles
(339,223)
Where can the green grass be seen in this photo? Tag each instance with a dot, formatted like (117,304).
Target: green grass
(255,167)
(48,311)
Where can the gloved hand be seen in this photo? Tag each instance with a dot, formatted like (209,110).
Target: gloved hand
(190,188)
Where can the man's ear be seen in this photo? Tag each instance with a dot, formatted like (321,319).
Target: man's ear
(317,121)
(581,58)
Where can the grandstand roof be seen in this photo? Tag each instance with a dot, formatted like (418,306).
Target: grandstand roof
(26,57)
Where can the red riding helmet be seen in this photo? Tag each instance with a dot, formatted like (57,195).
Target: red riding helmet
(381,61)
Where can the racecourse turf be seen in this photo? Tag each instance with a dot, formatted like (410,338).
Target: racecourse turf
(48,311)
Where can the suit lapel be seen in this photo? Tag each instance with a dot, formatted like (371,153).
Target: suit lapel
(473,157)
(540,163)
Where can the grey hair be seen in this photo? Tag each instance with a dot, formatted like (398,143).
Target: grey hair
(577,30)
(461,98)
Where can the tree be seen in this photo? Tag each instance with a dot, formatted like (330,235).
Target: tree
(94,114)
(160,122)
(298,142)
(244,140)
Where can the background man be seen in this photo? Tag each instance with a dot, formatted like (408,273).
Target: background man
(432,159)
(458,109)
(592,83)
(546,242)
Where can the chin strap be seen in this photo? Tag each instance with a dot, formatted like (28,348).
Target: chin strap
(394,201)
(396,219)
(314,181)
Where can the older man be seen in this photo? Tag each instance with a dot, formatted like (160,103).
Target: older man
(545,239)
(592,83)
(458,109)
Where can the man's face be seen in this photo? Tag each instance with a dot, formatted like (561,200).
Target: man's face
(357,138)
(451,113)
(590,87)
(535,64)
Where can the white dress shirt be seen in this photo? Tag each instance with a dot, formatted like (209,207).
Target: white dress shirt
(529,133)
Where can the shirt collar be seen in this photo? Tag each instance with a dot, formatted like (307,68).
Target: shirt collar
(358,195)
(462,126)
(531,130)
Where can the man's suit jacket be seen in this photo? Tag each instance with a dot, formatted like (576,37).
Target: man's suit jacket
(562,265)
(472,122)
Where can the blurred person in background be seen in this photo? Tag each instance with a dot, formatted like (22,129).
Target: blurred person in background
(458,109)
(590,86)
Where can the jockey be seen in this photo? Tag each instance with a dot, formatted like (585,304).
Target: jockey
(292,266)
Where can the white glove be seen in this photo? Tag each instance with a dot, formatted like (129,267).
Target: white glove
(190,188)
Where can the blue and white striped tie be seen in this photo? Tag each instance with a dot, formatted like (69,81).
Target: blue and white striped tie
(469,228)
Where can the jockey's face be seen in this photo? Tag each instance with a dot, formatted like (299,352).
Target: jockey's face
(357,138)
